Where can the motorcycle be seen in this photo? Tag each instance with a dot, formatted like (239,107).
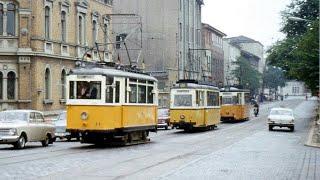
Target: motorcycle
(255,111)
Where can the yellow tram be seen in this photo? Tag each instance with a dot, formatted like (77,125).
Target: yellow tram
(105,104)
(194,106)
(235,104)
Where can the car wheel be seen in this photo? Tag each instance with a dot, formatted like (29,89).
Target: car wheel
(45,142)
(21,143)
(166,127)
(292,129)
(270,128)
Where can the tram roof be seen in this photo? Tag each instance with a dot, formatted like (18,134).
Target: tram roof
(111,72)
(233,89)
(194,86)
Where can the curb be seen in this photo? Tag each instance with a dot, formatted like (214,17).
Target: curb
(309,142)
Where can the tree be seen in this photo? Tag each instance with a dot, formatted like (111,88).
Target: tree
(273,77)
(247,76)
(298,53)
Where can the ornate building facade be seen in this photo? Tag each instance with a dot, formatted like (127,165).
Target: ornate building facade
(40,41)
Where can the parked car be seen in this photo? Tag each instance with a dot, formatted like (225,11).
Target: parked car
(163,118)
(281,117)
(17,127)
(61,126)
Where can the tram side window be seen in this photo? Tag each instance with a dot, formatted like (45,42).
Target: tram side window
(88,90)
(133,93)
(142,94)
(150,95)
(71,90)
(117,95)
(183,100)
(109,90)
(213,99)
(200,98)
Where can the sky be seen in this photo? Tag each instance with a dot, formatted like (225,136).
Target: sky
(257,19)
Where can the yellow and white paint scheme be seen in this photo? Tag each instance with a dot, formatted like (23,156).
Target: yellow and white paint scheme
(235,104)
(125,102)
(194,106)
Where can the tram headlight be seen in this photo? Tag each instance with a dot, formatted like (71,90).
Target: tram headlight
(84,116)
(182,117)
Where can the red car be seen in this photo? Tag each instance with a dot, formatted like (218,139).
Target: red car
(163,118)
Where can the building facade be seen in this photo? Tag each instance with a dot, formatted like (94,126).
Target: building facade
(213,63)
(248,48)
(40,42)
(171,38)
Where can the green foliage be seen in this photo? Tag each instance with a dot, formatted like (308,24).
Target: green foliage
(273,77)
(298,53)
(246,75)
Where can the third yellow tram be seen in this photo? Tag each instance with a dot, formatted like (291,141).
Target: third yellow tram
(194,106)
(235,104)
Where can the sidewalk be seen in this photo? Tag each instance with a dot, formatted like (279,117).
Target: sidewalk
(314,133)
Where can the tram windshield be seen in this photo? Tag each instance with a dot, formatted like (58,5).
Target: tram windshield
(85,90)
(183,100)
(229,100)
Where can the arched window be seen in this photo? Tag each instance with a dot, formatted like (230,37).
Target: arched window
(1,19)
(1,85)
(47,22)
(11,19)
(63,84)
(63,26)
(47,79)
(80,29)
(11,85)
(94,31)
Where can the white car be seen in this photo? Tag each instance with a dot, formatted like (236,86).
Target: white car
(17,127)
(281,117)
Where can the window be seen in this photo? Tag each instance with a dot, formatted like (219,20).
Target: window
(11,85)
(11,19)
(109,90)
(200,98)
(71,90)
(213,99)
(1,85)
(47,22)
(183,100)
(1,19)
(94,32)
(63,83)
(47,78)
(142,94)
(63,26)
(39,118)
(106,33)
(229,100)
(88,90)
(117,94)
(150,95)
(81,30)
(133,93)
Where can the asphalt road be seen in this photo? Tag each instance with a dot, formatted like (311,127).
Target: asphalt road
(245,150)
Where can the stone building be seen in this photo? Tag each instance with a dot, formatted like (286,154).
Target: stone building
(213,65)
(248,48)
(40,42)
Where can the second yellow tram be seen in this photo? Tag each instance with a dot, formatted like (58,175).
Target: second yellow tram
(194,106)
(235,104)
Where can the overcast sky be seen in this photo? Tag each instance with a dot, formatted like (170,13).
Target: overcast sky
(257,19)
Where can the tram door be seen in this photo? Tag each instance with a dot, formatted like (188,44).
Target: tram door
(119,90)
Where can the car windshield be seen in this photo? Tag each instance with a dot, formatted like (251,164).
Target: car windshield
(281,112)
(163,112)
(62,117)
(13,116)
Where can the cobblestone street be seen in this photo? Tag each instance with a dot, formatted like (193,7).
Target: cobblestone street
(244,150)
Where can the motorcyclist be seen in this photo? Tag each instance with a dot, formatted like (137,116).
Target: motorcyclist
(256,109)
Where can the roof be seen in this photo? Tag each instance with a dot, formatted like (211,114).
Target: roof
(242,39)
(111,72)
(193,86)
(282,109)
(23,110)
(210,28)
(233,89)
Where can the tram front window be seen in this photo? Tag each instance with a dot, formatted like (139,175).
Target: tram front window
(229,100)
(88,90)
(184,100)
